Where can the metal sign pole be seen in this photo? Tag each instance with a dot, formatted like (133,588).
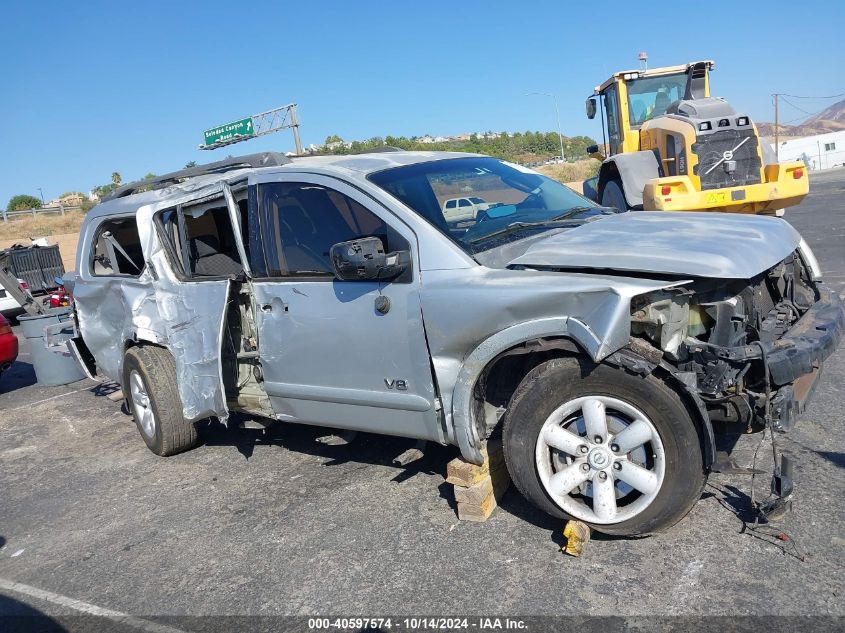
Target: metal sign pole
(294,123)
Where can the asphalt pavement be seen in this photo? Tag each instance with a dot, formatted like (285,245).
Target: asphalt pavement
(265,524)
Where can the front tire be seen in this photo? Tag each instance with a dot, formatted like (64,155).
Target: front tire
(618,451)
(149,384)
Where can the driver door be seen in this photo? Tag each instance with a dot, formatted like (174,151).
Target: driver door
(328,356)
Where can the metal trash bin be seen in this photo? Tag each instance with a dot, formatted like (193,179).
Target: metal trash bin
(52,361)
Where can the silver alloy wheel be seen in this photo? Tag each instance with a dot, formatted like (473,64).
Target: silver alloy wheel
(600,459)
(141,406)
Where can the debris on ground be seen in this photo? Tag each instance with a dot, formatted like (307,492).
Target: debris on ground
(338,440)
(411,455)
(577,534)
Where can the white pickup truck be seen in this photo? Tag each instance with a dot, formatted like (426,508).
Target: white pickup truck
(463,209)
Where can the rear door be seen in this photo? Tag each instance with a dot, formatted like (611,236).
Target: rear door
(328,355)
(191,252)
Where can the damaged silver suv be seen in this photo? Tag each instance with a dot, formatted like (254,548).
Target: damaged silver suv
(604,347)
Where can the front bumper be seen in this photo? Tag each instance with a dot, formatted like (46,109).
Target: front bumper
(781,189)
(796,359)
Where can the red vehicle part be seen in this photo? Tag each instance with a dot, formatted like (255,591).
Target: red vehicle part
(60,298)
(8,344)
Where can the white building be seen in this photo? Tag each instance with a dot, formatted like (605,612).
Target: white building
(821,151)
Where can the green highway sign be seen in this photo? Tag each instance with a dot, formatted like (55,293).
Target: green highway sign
(230,131)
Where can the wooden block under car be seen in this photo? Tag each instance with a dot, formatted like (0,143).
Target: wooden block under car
(462,473)
(477,512)
(496,483)
(478,488)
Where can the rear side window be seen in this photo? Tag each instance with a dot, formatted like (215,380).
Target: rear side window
(451,204)
(117,249)
(200,239)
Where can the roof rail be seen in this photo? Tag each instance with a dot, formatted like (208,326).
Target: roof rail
(263,159)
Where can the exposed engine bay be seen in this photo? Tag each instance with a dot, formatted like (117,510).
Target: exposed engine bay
(737,338)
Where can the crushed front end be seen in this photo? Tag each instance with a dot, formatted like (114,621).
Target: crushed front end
(752,351)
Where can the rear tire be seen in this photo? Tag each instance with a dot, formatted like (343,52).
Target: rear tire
(588,479)
(149,385)
(613,196)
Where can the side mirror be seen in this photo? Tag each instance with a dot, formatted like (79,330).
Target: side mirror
(592,149)
(591,108)
(364,259)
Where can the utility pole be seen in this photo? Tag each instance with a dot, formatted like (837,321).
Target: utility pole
(42,195)
(777,144)
(557,116)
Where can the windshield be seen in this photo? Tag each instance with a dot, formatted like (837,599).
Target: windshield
(649,97)
(497,201)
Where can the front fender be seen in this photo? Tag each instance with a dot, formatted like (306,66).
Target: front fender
(472,316)
(463,422)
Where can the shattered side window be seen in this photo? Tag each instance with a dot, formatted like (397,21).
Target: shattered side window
(201,240)
(169,230)
(117,249)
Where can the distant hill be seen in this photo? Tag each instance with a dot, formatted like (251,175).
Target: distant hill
(831,119)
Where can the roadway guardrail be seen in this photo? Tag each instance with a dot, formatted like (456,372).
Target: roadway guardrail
(59,210)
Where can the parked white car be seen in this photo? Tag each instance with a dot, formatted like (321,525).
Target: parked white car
(7,302)
(462,209)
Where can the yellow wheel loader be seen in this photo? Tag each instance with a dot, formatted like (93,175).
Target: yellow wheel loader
(671,146)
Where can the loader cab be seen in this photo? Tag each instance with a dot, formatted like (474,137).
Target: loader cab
(631,98)
(669,145)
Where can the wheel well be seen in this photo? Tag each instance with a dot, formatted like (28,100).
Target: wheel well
(697,412)
(502,375)
(497,383)
(609,171)
(129,344)
(693,404)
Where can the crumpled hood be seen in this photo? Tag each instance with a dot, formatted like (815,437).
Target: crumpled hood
(720,245)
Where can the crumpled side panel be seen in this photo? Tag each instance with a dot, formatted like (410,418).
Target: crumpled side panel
(112,311)
(472,316)
(191,314)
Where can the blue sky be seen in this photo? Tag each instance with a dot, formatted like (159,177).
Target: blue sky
(94,87)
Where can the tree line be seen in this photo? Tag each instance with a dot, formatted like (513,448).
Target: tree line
(25,202)
(516,146)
